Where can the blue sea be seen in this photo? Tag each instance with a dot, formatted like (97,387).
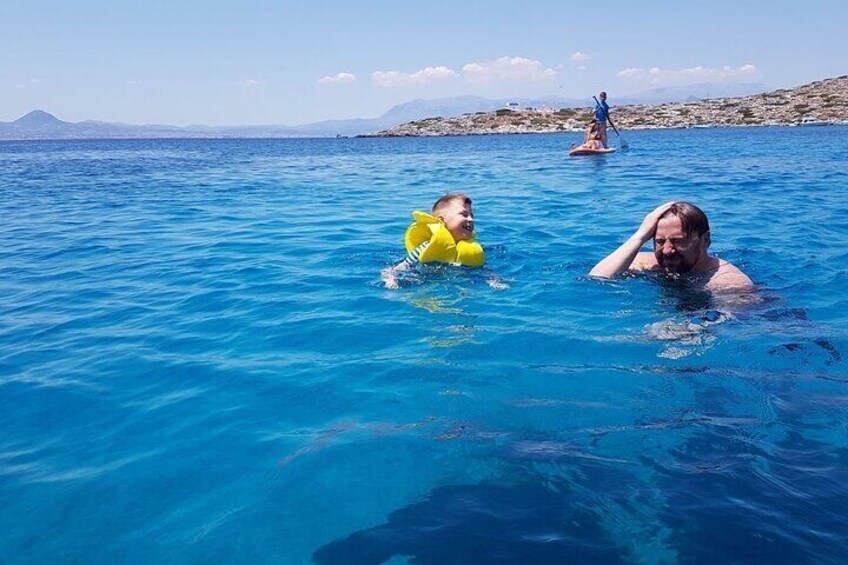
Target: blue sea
(199,361)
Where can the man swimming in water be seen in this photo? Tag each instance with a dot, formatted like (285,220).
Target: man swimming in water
(681,235)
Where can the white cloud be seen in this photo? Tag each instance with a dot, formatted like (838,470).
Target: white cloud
(29,83)
(579,57)
(658,75)
(249,83)
(512,69)
(338,78)
(631,72)
(424,76)
(517,69)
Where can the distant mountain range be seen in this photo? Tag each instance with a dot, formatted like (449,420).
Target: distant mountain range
(39,124)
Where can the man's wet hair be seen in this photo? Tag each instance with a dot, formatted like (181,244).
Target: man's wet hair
(692,218)
(448,199)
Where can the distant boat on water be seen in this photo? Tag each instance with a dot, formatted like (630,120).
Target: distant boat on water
(813,122)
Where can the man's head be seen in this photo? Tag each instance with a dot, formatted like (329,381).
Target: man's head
(454,210)
(682,238)
(602,95)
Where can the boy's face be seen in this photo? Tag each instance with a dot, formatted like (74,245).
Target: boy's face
(459,219)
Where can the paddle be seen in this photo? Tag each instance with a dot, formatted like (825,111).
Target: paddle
(615,129)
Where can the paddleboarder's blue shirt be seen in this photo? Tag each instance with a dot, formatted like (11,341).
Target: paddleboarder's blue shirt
(601,111)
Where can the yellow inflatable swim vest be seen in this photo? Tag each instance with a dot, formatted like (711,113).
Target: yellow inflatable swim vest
(442,248)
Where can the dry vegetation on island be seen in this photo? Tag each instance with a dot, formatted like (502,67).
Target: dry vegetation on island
(821,101)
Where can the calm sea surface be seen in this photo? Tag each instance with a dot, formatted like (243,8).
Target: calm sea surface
(199,362)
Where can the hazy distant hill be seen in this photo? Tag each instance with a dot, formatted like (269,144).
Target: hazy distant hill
(692,92)
(39,124)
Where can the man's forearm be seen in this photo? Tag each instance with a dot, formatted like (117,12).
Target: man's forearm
(619,260)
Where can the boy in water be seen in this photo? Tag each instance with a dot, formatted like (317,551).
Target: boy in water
(446,236)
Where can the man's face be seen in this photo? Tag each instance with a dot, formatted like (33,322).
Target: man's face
(459,219)
(675,252)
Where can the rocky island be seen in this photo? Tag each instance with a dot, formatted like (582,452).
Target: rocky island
(820,102)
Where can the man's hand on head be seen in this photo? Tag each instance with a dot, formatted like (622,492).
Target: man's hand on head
(649,225)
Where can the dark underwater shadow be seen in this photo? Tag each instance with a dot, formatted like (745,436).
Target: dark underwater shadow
(733,496)
(723,508)
(481,523)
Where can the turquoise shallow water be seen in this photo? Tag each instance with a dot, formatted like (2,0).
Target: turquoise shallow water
(198,360)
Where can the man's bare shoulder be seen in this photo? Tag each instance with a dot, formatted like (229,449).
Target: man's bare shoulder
(729,277)
(644,261)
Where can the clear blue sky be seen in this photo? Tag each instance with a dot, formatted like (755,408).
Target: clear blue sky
(292,61)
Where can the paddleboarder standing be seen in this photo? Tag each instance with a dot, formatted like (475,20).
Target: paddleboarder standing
(601,113)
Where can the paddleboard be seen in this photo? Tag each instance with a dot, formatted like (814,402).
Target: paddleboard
(584,151)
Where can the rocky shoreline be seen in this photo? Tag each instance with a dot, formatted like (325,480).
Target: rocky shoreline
(820,102)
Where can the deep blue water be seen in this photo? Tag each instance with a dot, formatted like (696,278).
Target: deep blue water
(199,362)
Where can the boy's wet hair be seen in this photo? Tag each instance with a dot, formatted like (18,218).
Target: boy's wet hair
(692,219)
(449,198)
